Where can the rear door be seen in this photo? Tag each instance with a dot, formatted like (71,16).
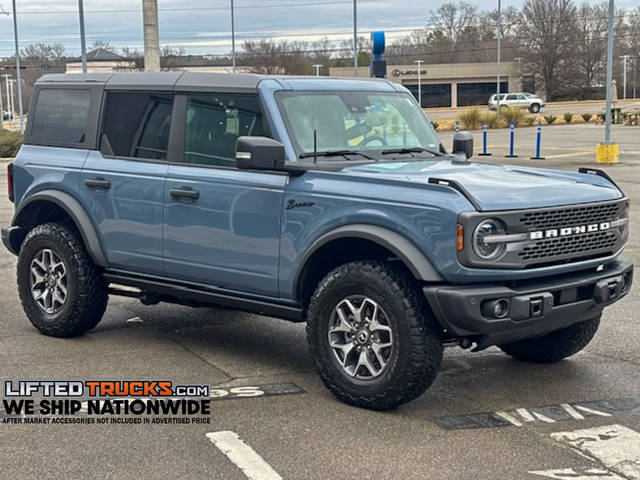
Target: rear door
(123,183)
(222,225)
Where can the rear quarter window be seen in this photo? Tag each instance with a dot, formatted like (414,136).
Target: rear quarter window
(61,116)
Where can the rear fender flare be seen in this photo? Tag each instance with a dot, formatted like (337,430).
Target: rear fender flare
(76,212)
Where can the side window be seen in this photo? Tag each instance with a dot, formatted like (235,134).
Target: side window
(137,124)
(61,116)
(511,97)
(215,121)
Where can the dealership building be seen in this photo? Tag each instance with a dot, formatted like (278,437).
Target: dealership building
(449,84)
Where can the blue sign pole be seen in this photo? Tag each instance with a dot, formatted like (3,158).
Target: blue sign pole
(484,141)
(538,142)
(512,127)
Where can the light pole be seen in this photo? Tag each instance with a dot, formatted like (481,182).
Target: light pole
(2,12)
(83,43)
(19,81)
(318,67)
(624,76)
(355,38)
(607,122)
(233,39)
(635,77)
(519,60)
(419,62)
(11,95)
(499,35)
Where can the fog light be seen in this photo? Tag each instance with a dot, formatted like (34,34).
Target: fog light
(496,308)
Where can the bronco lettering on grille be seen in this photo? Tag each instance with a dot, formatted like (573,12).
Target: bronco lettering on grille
(568,231)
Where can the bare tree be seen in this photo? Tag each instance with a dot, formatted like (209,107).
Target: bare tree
(102,45)
(549,34)
(454,18)
(590,51)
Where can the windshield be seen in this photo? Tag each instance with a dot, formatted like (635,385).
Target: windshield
(355,121)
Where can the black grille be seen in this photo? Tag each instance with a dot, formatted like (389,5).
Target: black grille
(574,246)
(566,217)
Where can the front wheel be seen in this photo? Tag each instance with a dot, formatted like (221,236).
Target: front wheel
(371,335)
(535,108)
(554,346)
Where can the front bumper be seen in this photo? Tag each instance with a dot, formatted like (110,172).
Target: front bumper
(535,307)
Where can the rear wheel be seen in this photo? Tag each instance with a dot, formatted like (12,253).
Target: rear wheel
(62,292)
(554,346)
(372,337)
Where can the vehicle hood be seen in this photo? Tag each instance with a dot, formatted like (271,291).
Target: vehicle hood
(500,187)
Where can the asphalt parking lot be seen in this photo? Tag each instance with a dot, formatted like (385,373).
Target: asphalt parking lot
(486,416)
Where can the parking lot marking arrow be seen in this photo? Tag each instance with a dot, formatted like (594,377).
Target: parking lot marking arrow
(615,446)
(243,456)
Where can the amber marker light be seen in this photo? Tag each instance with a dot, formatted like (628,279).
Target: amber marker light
(460,238)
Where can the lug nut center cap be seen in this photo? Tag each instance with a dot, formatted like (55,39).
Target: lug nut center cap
(363,337)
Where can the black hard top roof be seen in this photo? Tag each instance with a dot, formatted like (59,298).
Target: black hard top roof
(160,80)
(183,81)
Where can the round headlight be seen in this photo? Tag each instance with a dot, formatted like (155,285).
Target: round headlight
(485,248)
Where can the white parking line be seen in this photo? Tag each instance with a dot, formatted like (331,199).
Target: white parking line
(592,411)
(572,411)
(572,474)
(509,418)
(243,456)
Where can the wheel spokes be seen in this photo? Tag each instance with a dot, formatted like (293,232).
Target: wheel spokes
(360,337)
(48,281)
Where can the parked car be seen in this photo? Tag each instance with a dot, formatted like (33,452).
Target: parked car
(329,201)
(529,101)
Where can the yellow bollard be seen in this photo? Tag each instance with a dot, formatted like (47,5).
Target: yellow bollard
(607,153)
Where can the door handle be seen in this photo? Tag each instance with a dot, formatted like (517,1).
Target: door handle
(183,193)
(97,183)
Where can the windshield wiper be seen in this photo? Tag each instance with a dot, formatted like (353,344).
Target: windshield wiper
(412,150)
(337,153)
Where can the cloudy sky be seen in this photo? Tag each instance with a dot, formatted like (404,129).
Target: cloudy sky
(202,26)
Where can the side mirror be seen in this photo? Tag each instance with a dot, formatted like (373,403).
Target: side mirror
(259,153)
(463,144)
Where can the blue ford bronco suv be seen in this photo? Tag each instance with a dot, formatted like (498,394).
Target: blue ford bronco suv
(329,201)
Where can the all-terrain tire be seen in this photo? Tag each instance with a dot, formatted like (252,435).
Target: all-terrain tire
(554,346)
(86,289)
(413,362)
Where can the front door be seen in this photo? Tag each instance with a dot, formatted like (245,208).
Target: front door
(222,225)
(123,184)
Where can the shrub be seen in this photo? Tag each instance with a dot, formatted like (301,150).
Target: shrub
(10,143)
(549,119)
(530,120)
(435,125)
(586,117)
(568,117)
(515,115)
(490,118)
(470,119)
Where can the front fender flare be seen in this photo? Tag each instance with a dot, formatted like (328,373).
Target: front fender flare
(419,265)
(78,214)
